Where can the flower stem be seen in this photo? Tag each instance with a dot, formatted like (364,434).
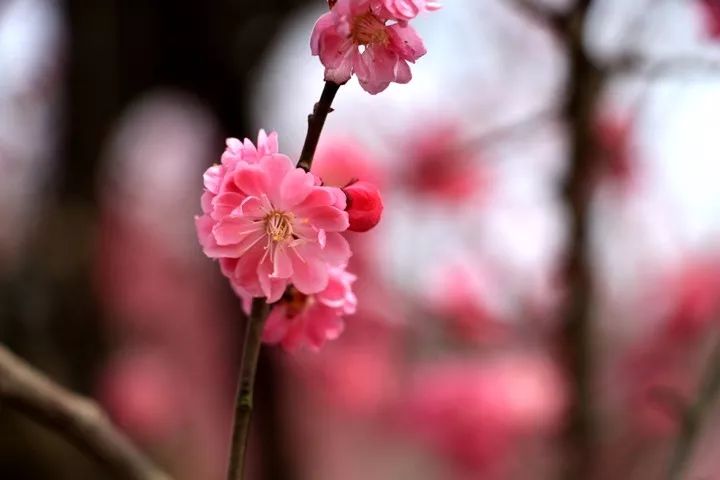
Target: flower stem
(695,414)
(316,121)
(244,398)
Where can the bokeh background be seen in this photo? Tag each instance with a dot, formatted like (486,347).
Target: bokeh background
(111,110)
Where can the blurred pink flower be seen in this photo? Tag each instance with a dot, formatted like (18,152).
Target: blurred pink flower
(613,133)
(460,294)
(355,38)
(441,165)
(657,378)
(339,161)
(695,297)
(138,391)
(308,320)
(404,9)
(473,412)
(711,16)
(271,224)
(364,206)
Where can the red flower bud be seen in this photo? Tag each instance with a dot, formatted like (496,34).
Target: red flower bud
(364,206)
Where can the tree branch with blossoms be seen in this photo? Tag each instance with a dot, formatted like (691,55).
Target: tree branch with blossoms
(75,418)
(275,228)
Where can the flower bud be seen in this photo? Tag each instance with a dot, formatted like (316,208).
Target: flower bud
(364,205)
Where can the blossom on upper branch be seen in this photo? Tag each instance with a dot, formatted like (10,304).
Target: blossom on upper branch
(269,223)
(370,38)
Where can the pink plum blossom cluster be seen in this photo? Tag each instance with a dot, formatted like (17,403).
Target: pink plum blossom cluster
(276,231)
(371,39)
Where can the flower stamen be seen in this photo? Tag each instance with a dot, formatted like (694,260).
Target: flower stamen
(368,29)
(278,226)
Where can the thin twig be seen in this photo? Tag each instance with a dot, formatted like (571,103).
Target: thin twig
(78,419)
(637,64)
(244,399)
(583,87)
(695,415)
(316,121)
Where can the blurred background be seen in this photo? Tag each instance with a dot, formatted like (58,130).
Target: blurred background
(111,110)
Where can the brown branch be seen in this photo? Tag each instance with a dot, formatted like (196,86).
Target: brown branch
(244,398)
(316,121)
(583,87)
(78,419)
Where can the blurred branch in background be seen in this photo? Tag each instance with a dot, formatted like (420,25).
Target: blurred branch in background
(583,88)
(75,418)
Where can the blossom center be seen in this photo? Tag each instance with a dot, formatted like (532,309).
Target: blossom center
(278,225)
(295,301)
(367,29)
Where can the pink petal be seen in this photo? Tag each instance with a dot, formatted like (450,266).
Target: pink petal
(206,201)
(282,265)
(252,180)
(272,288)
(276,167)
(276,326)
(402,72)
(267,144)
(320,196)
(375,68)
(253,208)
(337,54)
(212,178)
(295,187)
(328,218)
(337,249)
(407,42)
(309,276)
(324,23)
(225,203)
(231,230)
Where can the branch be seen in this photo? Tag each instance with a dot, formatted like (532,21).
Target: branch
(695,415)
(76,418)
(244,399)
(316,121)
(583,88)
(667,67)
(502,133)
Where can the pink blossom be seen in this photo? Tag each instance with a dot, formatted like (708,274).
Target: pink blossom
(271,224)
(300,319)
(473,412)
(442,165)
(137,391)
(356,36)
(460,293)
